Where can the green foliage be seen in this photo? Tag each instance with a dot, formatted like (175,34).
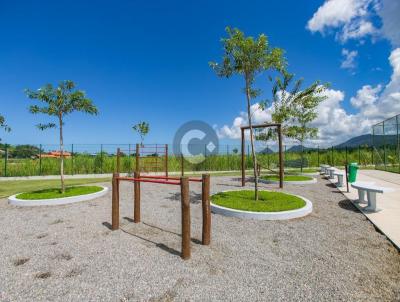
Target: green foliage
(3,124)
(142,128)
(248,57)
(57,193)
(268,201)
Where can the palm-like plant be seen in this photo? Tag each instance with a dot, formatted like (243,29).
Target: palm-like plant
(58,102)
(4,125)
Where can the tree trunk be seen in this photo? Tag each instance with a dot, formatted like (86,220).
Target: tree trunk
(253,153)
(302,156)
(61,155)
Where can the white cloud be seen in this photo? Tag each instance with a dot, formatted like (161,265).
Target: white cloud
(349,59)
(389,11)
(335,125)
(352,16)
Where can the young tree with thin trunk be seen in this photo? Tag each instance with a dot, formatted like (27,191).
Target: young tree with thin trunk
(141,128)
(58,102)
(248,57)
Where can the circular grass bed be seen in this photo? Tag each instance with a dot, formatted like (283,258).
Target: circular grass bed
(56,193)
(287,178)
(268,201)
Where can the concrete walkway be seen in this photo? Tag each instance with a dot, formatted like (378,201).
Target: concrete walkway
(387,219)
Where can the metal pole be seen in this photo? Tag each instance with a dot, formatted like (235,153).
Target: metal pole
(384,144)
(40,159)
(359,155)
(185,212)
(72,159)
(136,199)
(101,158)
(205,202)
(5,159)
(243,160)
(281,158)
(137,168)
(166,160)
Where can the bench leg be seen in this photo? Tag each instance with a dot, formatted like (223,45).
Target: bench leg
(361,196)
(371,197)
(340,181)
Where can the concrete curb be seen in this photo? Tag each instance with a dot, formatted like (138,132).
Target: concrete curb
(13,200)
(297,182)
(283,215)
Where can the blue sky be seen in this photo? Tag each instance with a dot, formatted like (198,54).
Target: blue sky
(148,60)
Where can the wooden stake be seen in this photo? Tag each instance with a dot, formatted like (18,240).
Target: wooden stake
(185,203)
(205,202)
(115,202)
(137,168)
(136,199)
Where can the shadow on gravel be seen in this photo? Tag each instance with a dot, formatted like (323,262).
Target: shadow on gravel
(107,225)
(347,205)
(195,198)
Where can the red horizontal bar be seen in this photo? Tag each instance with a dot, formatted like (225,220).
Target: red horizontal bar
(150,180)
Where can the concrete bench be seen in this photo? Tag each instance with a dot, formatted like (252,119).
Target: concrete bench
(330,171)
(323,168)
(340,176)
(371,189)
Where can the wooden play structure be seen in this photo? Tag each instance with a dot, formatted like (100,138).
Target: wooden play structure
(183,183)
(243,165)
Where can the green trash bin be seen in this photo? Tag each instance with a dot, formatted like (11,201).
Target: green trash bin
(353,167)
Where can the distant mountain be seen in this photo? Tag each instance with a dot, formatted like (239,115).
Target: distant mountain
(354,142)
(297,148)
(266,151)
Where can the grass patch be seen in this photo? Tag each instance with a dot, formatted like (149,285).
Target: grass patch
(287,177)
(11,187)
(268,201)
(305,170)
(56,193)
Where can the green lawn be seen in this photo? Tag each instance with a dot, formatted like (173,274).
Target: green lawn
(268,201)
(11,187)
(56,192)
(287,177)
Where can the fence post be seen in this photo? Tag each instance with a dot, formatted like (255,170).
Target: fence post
(333,160)
(5,159)
(205,202)
(359,155)
(72,159)
(115,202)
(185,212)
(318,155)
(136,199)
(166,160)
(347,160)
(118,160)
(101,158)
(40,159)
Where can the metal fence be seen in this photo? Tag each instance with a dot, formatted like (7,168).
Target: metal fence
(386,144)
(32,160)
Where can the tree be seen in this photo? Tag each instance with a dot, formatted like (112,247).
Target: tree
(141,128)
(295,108)
(4,125)
(58,102)
(305,111)
(248,57)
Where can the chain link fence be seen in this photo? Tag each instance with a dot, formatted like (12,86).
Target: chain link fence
(33,160)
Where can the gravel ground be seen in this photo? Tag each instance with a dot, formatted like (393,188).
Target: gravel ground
(68,253)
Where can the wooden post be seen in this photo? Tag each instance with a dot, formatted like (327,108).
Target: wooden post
(243,160)
(137,168)
(182,165)
(115,202)
(118,160)
(205,202)
(166,160)
(280,157)
(185,212)
(136,198)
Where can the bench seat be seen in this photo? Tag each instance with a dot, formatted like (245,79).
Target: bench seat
(371,189)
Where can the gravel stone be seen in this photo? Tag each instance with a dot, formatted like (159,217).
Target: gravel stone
(335,253)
